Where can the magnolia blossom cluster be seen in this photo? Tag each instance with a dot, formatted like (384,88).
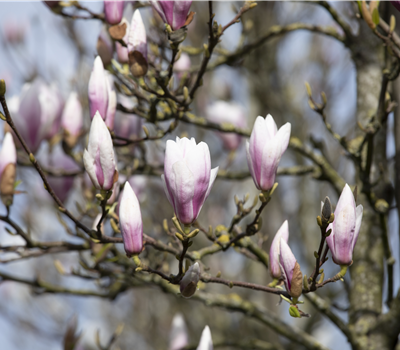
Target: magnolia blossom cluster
(341,241)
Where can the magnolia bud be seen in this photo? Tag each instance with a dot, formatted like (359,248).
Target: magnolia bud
(189,282)
(131,223)
(345,228)
(99,157)
(188,177)
(265,149)
(173,13)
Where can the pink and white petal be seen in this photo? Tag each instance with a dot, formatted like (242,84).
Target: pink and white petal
(287,260)
(259,137)
(271,126)
(182,189)
(344,232)
(274,252)
(199,163)
(359,215)
(270,161)
(158,8)
(173,154)
(166,190)
(250,165)
(283,136)
(213,176)
(88,162)
(346,198)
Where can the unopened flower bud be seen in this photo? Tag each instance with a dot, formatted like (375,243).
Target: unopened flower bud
(98,92)
(274,268)
(188,177)
(264,151)
(130,218)
(290,268)
(113,11)
(188,285)
(99,157)
(345,228)
(173,13)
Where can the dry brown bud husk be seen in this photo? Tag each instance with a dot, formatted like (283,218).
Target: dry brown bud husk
(118,31)
(189,290)
(189,18)
(7,184)
(116,176)
(297,282)
(104,52)
(137,64)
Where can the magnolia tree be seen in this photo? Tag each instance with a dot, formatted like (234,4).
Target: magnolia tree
(141,220)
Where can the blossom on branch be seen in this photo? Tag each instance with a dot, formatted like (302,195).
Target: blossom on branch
(173,13)
(98,90)
(265,149)
(130,219)
(98,158)
(283,233)
(345,228)
(290,269)
(188,177)
(113,11)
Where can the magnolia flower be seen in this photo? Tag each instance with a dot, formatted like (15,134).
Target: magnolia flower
(99,157)
(290,269)
(283,233)
(188,177)
(37,112)
(122,51)
(8,160)
(345,228)
(137,46)
(178,338)
(189,282)
(72,119)
(113,11)
(265,149)
(112,101)
(227,112)
(130,219)
(206,340)
(98,91)
(173,13)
